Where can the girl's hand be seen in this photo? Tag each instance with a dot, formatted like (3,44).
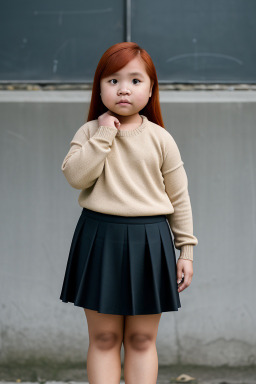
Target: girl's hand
(185,267)
(107,119)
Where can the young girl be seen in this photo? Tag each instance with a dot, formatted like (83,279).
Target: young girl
(134,193)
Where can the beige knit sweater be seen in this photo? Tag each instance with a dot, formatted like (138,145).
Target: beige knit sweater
(136,172)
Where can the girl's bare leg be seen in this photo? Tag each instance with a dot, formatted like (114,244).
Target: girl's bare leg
(104,352)
(140,359)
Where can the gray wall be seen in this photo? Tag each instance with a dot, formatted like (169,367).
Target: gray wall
(216,134)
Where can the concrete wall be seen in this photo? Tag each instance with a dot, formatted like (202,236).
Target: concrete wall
(216,134)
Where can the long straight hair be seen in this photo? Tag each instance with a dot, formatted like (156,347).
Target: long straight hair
(115,58)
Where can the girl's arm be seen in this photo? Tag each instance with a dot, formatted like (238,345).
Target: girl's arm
(176,186)
(85,160)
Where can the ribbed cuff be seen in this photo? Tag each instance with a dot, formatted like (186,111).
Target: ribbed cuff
(186,252)
(107,132)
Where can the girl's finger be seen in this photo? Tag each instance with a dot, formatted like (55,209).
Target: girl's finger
(179,273)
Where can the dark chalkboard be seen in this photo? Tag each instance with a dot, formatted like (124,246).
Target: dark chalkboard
(56,40)
(61,41)
(210,41)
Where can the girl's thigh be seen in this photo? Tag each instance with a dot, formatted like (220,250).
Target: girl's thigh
(141,329)
(103,326)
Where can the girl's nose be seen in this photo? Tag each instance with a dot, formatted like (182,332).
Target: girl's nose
(124,90)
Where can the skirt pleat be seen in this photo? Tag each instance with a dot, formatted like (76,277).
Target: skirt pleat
(121,265)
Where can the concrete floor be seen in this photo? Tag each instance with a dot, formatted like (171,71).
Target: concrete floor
(166,374)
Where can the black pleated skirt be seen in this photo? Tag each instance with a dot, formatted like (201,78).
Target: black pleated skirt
(121,265)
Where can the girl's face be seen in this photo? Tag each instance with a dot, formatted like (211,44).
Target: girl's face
(131,83)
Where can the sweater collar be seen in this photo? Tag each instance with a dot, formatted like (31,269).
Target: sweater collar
(135,131)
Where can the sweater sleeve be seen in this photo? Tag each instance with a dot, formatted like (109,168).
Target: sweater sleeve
(85,159)
(176,186)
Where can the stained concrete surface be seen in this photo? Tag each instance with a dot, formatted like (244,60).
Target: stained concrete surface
(67,373)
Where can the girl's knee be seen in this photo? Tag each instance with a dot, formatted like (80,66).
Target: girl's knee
(106,340)
(139,341)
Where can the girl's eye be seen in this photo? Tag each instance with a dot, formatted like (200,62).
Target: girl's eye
(116,80)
